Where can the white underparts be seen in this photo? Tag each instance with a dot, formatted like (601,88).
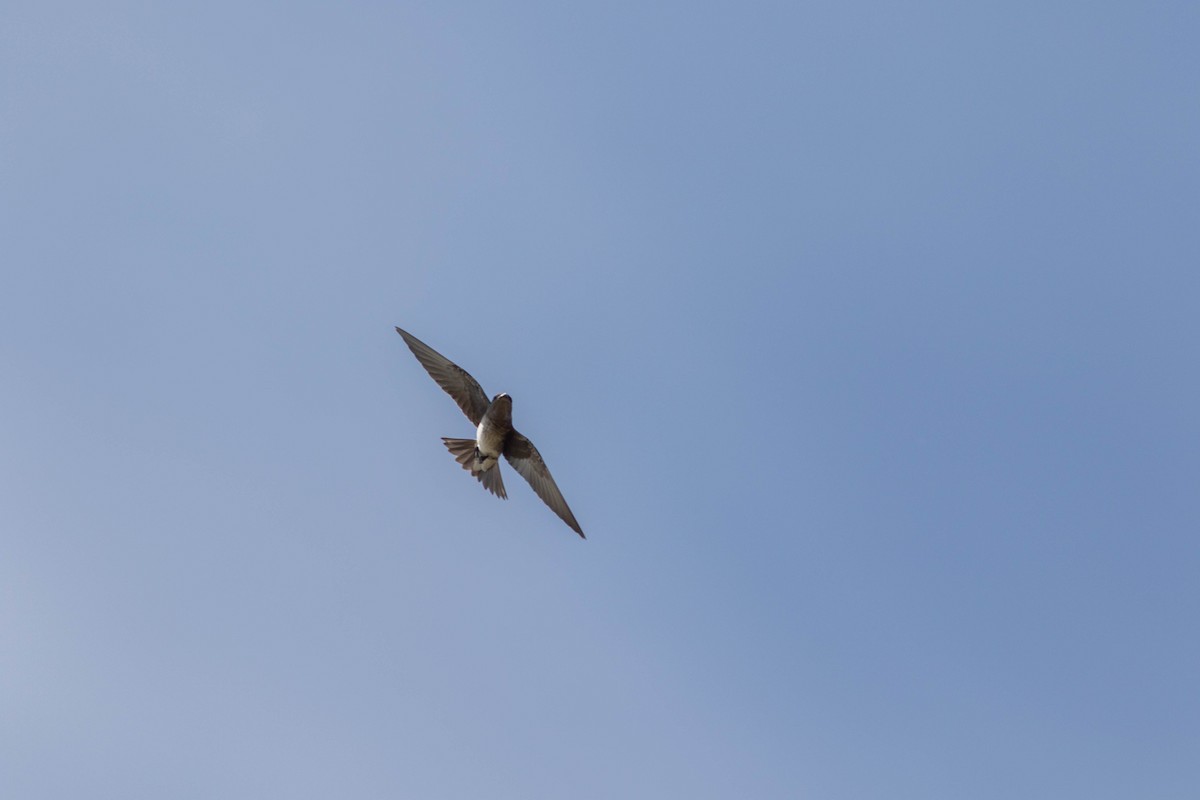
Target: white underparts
(487,442)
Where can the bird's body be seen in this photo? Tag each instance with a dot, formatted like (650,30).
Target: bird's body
(494,433)
(495,428)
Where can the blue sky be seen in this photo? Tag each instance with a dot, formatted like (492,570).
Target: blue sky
(860,337)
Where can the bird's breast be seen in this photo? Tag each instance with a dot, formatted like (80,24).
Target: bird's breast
(489,437)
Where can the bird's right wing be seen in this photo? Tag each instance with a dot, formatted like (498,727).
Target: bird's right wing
(457,382)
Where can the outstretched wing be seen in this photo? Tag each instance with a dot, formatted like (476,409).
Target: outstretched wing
(457,382)
(526,460)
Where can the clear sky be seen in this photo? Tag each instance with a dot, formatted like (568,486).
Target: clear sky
(862,338)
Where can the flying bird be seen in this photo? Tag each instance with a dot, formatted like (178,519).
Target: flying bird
(494,433)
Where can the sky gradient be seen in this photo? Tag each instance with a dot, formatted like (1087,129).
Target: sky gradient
(862,339)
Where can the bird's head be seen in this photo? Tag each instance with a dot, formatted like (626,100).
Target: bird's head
(502,398)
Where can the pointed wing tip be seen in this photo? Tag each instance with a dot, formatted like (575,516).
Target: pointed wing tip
(572,523)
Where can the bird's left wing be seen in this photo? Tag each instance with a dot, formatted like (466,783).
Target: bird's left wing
(526,460)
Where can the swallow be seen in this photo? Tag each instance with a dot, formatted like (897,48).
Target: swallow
(494,433)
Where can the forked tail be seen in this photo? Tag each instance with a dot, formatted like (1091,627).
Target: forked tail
(464,453)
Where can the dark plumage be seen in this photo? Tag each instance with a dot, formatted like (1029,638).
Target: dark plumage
(494,433)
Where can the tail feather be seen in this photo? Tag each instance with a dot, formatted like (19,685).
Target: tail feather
(492,481)
(463,451)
